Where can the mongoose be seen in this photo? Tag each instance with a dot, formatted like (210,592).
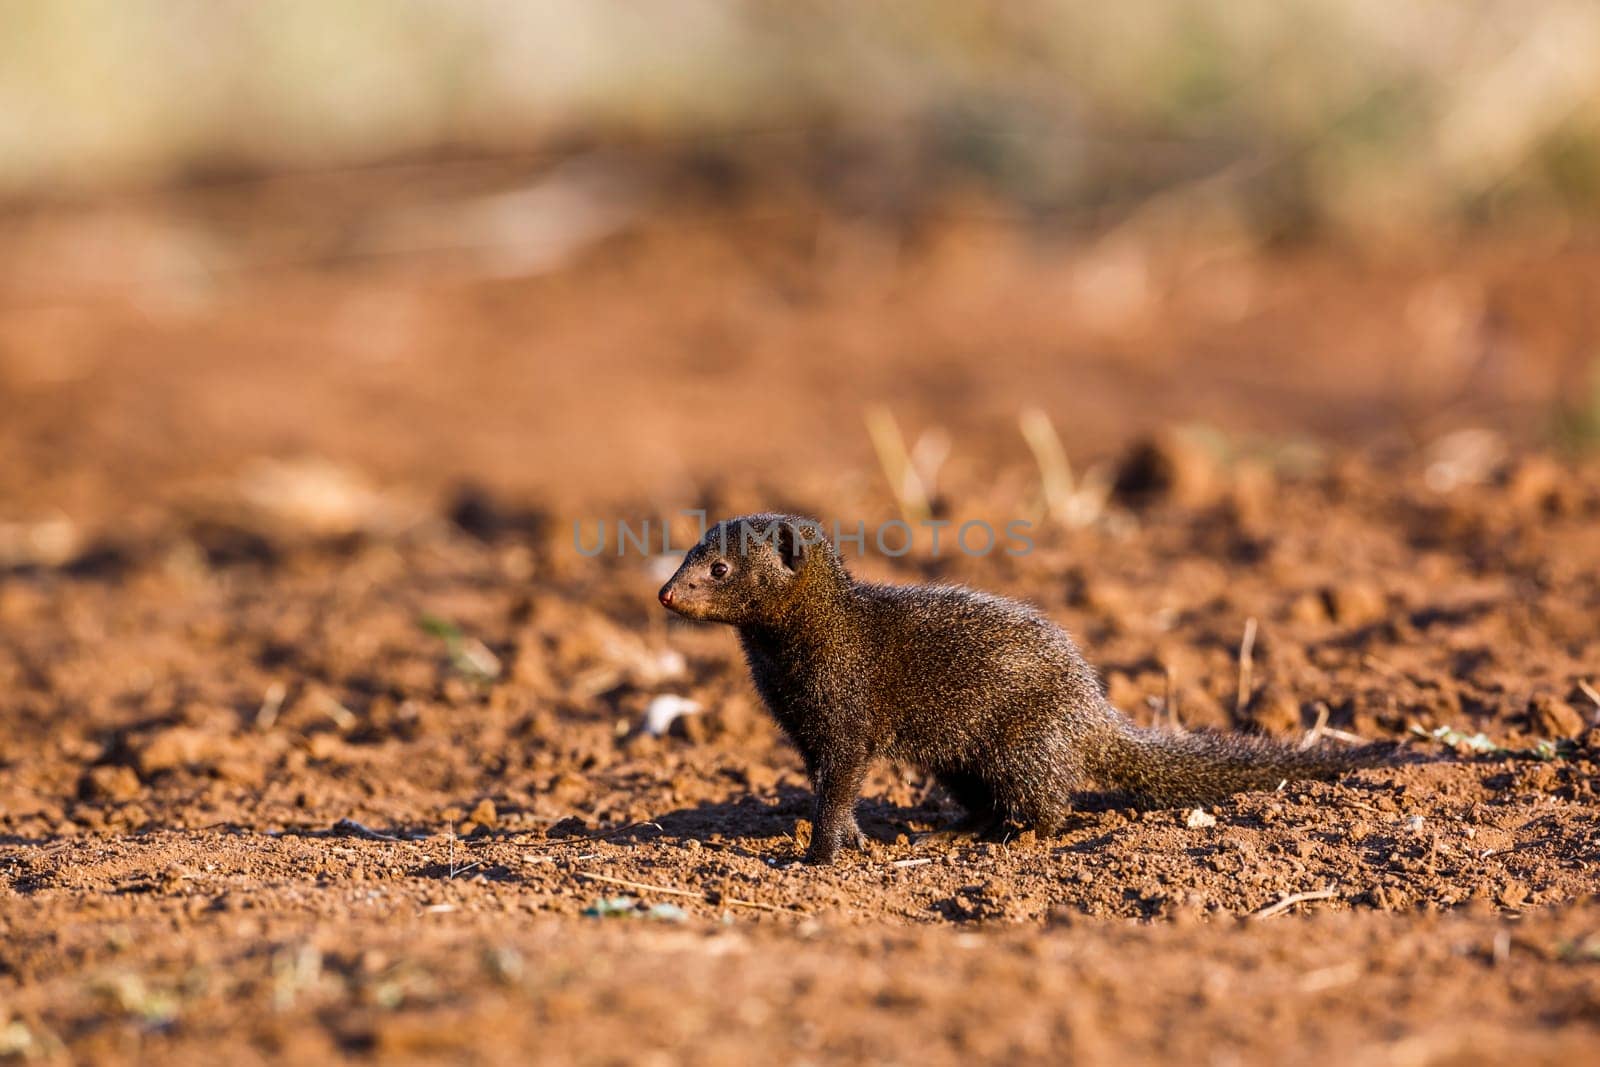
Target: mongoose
(987,694)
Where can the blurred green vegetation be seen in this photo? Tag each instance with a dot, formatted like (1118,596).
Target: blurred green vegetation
(1350,113)
(1575,424)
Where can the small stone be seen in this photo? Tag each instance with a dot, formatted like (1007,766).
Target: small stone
(1275,711)
(1168,466)
(109,783)
(1537,484)
(1355,603)
(174,747)
(664,710)
(1387,898)
(172,876)
(484,813)
(241,771)
(1308,608)
(1554,717)
(1253,493)
(1200,818)
(325,745)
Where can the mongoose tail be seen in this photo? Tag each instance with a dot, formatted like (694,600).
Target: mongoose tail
(1161,768)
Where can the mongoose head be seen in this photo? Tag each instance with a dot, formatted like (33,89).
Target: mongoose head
(745,571)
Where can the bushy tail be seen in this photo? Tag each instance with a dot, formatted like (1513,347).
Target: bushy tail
(1166,769)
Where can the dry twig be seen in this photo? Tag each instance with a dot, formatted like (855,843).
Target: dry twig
(1169,696)
(1321,729)
(1247,649)
(1292,899)
(1067,500)
(1314,734)
(701,895)
(904,482)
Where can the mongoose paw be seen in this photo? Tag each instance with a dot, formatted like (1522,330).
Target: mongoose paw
(819,855)
(825,847)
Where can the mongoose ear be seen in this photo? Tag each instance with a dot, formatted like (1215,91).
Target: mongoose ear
(792,545)
(791,549)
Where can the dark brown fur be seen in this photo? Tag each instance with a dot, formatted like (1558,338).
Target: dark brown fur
(986,693)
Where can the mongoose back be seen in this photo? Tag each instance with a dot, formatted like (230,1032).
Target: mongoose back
(987,694)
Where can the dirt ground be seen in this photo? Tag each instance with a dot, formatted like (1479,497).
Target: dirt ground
(320,736)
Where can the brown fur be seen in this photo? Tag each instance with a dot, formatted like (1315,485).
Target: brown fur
(986,693)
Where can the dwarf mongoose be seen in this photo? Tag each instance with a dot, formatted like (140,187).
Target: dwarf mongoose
(985,693)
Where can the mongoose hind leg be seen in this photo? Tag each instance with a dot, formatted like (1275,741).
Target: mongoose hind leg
(1046,819)
(1043,806)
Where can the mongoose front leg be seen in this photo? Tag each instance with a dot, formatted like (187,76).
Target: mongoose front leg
(833,824)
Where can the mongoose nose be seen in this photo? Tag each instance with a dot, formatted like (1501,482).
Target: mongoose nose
(666,596)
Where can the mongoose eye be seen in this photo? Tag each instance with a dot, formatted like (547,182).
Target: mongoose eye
(719,569)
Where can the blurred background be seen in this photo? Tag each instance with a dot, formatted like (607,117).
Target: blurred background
(1346,114)
(600,252)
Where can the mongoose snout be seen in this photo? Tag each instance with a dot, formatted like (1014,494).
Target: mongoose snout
(985,693)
